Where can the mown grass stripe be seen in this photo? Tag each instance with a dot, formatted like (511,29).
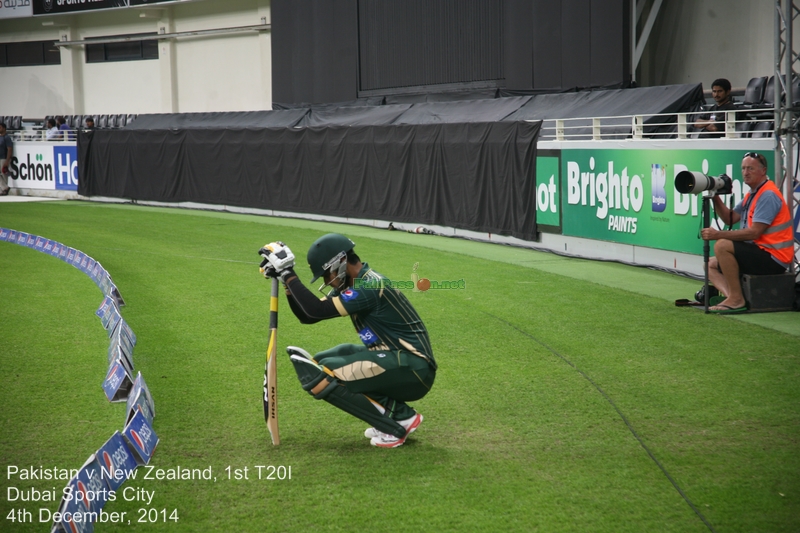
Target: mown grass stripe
(619,412)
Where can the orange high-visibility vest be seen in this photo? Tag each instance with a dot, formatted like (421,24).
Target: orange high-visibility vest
(778,239)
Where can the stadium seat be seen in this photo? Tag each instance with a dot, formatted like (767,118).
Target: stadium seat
(121,120)
(762,129)
(102,121)
(795,91)
(754,93)
(769,93)
(744,124)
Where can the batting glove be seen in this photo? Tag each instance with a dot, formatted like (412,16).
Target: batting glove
(278,256)
(266,269)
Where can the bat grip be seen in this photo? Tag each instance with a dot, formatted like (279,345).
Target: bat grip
(273,304)
(275,287)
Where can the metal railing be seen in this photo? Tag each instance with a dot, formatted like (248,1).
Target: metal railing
(40,134)
(744,123)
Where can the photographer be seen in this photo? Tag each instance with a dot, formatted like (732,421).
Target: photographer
(763,246)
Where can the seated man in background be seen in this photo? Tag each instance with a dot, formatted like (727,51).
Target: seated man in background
(52,133)
(6,153)
(763,246)
(712,124)
(64,127)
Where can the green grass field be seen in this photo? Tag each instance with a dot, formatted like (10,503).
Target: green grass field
(517,435)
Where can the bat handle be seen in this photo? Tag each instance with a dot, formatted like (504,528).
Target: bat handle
(273,304)
(275,287)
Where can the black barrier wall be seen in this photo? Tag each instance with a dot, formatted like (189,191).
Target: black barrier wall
(478,176)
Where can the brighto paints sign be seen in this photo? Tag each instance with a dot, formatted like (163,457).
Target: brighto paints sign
(44,166)
(614,195)
(629,196)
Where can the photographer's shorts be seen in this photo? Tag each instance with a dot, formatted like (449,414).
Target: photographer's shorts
(755,261)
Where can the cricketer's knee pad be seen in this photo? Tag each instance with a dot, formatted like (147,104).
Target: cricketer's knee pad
(323,385)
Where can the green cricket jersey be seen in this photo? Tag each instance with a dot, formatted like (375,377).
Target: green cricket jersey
(383,316)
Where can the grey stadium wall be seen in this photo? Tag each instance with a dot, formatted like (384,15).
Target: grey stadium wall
(334,51)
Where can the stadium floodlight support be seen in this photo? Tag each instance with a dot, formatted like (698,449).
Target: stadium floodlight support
(787,145)
(638,42)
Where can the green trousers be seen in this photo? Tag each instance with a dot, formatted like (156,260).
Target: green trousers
(390,378)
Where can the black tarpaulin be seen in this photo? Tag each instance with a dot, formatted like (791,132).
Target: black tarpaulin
(478,176)
(611,103)
(466,164)
(465,111)
(354,116)
(645,100)
(219,120)
(437,108)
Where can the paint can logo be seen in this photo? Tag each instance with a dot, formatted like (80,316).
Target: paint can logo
(658,180)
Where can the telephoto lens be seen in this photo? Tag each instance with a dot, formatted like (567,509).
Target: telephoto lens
(688,182)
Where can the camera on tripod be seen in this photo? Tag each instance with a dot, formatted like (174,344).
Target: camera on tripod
(688,182)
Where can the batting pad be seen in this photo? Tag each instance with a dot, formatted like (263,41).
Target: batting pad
(323,386)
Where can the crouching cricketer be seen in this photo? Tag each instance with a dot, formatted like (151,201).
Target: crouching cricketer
(395,365)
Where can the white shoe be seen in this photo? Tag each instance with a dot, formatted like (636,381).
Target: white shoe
(372,433)
(384,440)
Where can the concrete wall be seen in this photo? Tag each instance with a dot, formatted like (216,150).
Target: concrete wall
(229,72)
(697,41)
(27,90)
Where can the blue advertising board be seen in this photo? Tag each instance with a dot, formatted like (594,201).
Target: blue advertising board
(141,438)
(116,461)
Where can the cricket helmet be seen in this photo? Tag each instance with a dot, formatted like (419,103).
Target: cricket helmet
(329,254)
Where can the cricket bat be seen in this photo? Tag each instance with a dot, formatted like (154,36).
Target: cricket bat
(271,369)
